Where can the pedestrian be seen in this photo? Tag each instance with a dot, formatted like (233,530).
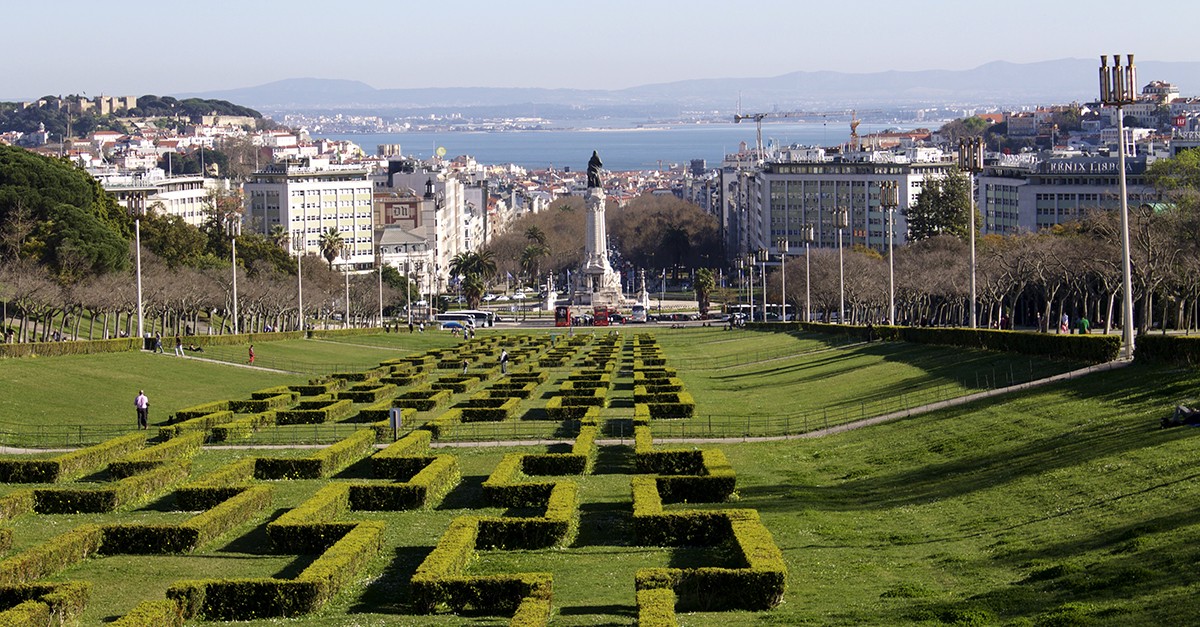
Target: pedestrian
(1084,325)
(178,346)
(410,327)
(1065,325)
(143,410)
(158,343)
(466,362)
(251,354)
(422,327)
(503,361)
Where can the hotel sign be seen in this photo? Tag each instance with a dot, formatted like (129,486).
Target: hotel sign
(1090,166)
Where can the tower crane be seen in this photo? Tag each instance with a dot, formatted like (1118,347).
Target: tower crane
(758,118)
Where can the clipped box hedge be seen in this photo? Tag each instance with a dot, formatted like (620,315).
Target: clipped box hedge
(207,491)
(310,526)
(315,412)
(488,410)
(151,539)
(1176,349)
(258,405)
(248,599)
(243,427)
(368,393)
(514,389)
(396,460)
(197,411)
(435,477)
(69,465)
(115,495)
(422,400)
(444,423)
(656,608)
(322,463)
(51,556)
(43,603)
(152,614)
(457,383)
(319,388)
(145,459)
(200,423)
(556,410)
(579,461)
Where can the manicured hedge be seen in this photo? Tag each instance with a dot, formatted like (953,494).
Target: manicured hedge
(511,389)
(315,412)
(149,458)
(319,387)
(243,427)
(1093,348)
(124,493)
(396,461)
(43,603)
(457,383)
(422,400)
(152,614)
(368,392)
(148,539)
(247,599)
(51,556)
(206,491)
(435,477)
(309,527)
(656,608)
(260,404)
(444,423)
(489,410)
(57,349)
(69,465)
(202,423)
(1168,348)
(322,463)
(579,461)
(556,410)
(555,528)
(197,411)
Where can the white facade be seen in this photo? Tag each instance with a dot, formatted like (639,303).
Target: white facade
(308,201)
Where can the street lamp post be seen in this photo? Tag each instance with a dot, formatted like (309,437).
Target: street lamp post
(762,258)
(298,246)
(970,159)
(809,236)
(379,270)
(840,217)
(889,199)
(750,289)
(137,231)
(408,289)
(782,244)
(233,248)
(346,271)
(1117,84)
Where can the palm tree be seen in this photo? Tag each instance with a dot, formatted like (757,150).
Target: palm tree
(280,236)
(332,245)
(481,264)
(705,283)
(531,260)
(535,235)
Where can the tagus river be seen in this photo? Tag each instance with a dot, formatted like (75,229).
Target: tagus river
(621,149)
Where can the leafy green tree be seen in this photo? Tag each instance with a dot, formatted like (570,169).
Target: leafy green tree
(175,241)
(942,207)
(531,260)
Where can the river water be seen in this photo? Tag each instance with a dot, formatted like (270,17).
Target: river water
(620,148)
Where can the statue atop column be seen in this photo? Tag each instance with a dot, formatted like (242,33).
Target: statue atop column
(593,171)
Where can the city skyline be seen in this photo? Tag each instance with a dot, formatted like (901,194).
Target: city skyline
(609,45)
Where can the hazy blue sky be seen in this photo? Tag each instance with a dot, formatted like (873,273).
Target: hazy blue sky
(165,47)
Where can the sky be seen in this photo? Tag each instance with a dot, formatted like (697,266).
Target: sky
(136,47)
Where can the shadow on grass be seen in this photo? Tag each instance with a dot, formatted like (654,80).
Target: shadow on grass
(604,524)
(625,611)
(389,593)
(360,469)
(255,541)
(468,494)
(613,460)
(1079,440)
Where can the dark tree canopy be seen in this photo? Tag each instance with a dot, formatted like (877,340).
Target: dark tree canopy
(942,207)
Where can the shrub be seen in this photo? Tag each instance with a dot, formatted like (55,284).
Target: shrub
(242,427)
(318,388)
(142,539)
(208,490)
(69,465)
(149,458)
(456,383)
(368,393)
(126,492)
(1168,348)
(259,404)
(500,410)
(44,603)
(656,608)
(435,477)
(315,412)
(307,528)
(197,411)
(422,400)
(152,614)
(51,556)
(203,422)
(393,461)
(322,463)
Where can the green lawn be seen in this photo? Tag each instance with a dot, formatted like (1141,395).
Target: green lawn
(1064,505)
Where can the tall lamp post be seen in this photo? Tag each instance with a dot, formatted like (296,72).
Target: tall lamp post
(839,217)
(233,248)
(970,159)
(379,271)
(1117,84)
(762,258)
(750,265)
(808,240)
(346,271)
(137,231)
(889,199)
(298,245)
(782,244)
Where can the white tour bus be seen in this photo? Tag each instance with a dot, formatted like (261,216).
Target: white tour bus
(465,319)
(482,318)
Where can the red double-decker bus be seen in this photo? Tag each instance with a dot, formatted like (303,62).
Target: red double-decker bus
(562,316)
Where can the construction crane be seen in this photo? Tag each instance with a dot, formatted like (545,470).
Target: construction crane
(758,118)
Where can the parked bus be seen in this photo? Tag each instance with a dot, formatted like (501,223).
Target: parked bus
(562,316)
(637,314)
(482,317)
(465,319)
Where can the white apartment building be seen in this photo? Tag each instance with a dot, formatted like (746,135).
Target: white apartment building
(307,201)
(779,200)
(183,196)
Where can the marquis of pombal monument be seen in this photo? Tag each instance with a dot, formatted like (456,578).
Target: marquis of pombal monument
(601,285)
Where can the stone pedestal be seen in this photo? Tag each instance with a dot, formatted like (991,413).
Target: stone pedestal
(600,284)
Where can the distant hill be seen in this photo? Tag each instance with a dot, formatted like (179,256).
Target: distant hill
(999,83)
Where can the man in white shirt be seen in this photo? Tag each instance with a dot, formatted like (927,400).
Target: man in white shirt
(143,410)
